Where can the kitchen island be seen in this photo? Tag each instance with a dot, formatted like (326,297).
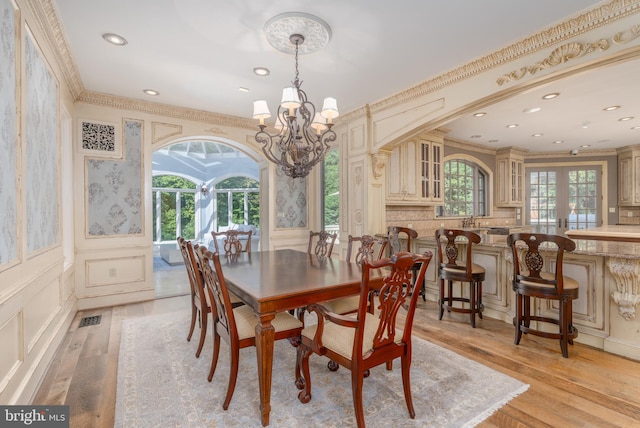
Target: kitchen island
(620,233)
(608,272)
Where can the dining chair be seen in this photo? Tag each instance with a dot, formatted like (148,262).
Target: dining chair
(399,238)
(366,340)
(321,243)
(532,279)
(236,325)
(370,248)
(452,268)
(232,242)
(200,308)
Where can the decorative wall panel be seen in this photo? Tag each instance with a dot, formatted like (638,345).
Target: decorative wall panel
(291,201)
(114,189)
(8,134)
(41,151)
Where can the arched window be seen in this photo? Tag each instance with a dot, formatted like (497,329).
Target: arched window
(465,189)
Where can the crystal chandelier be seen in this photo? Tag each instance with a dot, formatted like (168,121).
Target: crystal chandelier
(303,134)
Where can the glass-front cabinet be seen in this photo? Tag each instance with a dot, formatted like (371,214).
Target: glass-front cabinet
(509,178)
(416,173)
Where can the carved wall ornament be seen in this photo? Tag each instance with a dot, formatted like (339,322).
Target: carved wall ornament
(568,52)
(377,164)
(626,273)
(358,175)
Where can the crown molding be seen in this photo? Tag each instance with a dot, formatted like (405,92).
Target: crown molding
(588,21)
(166,110)
(47,16)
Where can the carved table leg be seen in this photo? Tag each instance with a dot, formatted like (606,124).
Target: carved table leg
(265,337)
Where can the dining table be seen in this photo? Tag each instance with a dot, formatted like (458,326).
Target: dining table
(283,280)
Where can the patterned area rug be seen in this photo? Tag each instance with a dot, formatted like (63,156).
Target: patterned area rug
(161,383)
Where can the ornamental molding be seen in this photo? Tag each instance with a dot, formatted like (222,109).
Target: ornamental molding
(166,110)
(569,52)
(378,162)
(47,18)
(626,273)
(588,21)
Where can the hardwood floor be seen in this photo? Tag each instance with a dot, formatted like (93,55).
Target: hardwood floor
(590,389)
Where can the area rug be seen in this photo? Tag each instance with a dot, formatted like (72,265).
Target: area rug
(161,383)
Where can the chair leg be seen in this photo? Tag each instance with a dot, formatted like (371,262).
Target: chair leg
(356,386)
(305,395)
(299,379)
(204,316)
(233,375)
(527,311)
(518,318)
(406,384)
(216,352)
(194,314)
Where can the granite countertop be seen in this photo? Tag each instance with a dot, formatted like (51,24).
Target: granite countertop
(626,250)
(609,231)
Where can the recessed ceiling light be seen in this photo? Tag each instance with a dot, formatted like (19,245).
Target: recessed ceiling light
(636,127)
(585,145)
(537,135)
(476,136)
(241,89)
(480,114)
(114,39)
(261,71)
(513,125)
(611,108)
(624,119)
(492,141)
(558,142)
(531,110)
(551,96)
(152,92)
(585,125)
(603,141)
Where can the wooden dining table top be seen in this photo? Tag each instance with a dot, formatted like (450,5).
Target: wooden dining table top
(286,279)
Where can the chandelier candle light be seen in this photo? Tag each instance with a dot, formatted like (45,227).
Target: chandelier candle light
(304,134)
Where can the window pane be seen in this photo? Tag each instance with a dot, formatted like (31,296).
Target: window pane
(330,183)
(187,213)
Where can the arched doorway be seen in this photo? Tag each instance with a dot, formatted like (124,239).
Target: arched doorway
(199,185)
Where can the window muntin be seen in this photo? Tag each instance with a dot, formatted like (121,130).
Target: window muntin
(465,189)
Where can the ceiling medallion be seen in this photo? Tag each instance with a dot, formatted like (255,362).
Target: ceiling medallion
(315,31)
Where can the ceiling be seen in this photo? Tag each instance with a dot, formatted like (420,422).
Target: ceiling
(197,54)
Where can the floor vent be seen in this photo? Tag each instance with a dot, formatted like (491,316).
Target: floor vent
(94,320)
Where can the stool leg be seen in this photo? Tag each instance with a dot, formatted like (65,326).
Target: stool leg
(518,318)
(472,303)
(441,299)
(564,329)
(527,311)
(570,314)
(479,299)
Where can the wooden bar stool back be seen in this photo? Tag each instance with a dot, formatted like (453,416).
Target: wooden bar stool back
(532,279)
(451,269)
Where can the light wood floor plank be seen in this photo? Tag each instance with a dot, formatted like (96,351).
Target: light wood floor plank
(590,389)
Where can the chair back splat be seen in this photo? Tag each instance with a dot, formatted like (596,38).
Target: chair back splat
(371,248)
(367,339)
(532,278)
(232,243)
(321,243)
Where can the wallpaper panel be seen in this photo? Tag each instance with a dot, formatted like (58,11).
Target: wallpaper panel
(41,153)
(114,189)
(8,135)
(291,200)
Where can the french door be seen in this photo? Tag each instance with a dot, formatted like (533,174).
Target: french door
(564,198)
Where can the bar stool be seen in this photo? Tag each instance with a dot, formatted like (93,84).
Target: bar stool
(451,269)
(531,280)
